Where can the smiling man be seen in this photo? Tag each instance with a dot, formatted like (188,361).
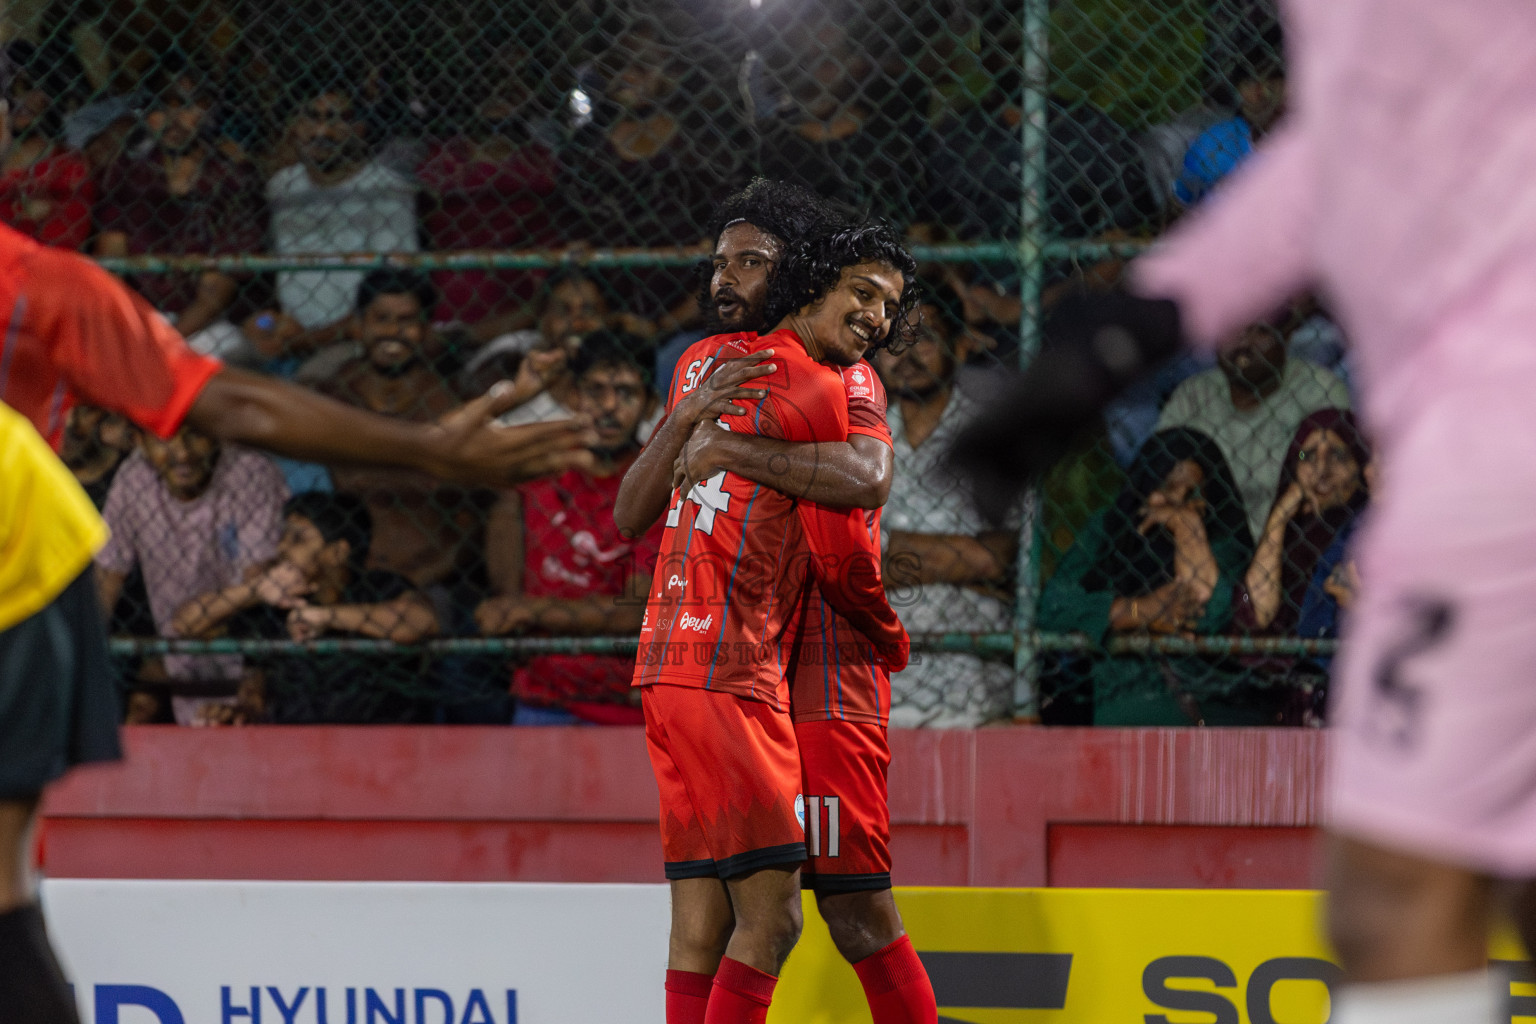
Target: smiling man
(421,529)
(716,646)
(840,706)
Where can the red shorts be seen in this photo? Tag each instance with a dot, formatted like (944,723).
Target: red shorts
(847,816)
(728,770)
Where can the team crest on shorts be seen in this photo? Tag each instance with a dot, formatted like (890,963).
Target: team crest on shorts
(800,809)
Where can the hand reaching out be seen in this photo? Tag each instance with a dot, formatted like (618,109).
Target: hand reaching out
(470,447)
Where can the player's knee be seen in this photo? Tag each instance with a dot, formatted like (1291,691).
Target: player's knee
(774,927)
(699,941)
(702,922)
(861,923)
(785,931)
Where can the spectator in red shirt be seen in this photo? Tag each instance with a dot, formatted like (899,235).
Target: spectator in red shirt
(185,196)
(558,563)
(490,186)
(45,190)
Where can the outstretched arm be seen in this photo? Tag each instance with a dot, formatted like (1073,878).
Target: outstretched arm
(843,474)
(466,446)
(115,351)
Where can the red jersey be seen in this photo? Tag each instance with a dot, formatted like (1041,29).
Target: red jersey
(73,332)
(833,671)
(51,200)
(572,549)
(736,557)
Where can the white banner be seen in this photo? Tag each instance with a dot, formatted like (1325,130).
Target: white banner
(195,952)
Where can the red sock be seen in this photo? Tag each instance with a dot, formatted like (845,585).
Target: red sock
(897,985)
(741,994)
(687,996)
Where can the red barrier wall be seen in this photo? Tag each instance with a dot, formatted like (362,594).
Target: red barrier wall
(1013,806)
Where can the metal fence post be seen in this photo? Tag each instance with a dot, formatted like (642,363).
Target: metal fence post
(1031,262)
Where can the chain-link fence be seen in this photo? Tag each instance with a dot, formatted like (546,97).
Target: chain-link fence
(399,203)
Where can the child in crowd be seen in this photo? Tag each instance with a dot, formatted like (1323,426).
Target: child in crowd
(317,584)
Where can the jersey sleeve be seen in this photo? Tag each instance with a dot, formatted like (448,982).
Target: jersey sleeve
(110,345)
(805,403)
(847,570)
(843,560)
(866,402)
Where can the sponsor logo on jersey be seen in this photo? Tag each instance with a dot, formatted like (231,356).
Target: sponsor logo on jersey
(694,624)
(858,388)
(679,582)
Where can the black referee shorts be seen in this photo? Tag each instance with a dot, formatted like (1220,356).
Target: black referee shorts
(59,703)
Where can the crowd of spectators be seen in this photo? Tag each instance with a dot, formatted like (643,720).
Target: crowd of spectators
(1217,502)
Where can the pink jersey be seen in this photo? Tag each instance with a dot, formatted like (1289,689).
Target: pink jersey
(1400,184)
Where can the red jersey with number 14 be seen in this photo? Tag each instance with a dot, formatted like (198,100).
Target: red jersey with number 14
(737,557)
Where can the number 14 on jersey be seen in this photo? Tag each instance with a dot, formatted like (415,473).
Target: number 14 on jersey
(711,497)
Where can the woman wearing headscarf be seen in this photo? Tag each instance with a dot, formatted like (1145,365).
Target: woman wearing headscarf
(1323,489)
(1163,558)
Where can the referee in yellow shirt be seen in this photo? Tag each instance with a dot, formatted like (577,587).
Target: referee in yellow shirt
(58,706)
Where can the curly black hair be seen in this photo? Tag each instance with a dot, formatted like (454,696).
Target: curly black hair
(814,265)
(789,211)
(785,210)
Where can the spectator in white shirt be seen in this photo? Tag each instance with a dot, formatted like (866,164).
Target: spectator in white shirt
(948,572)
(1251,403)
(336,199)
